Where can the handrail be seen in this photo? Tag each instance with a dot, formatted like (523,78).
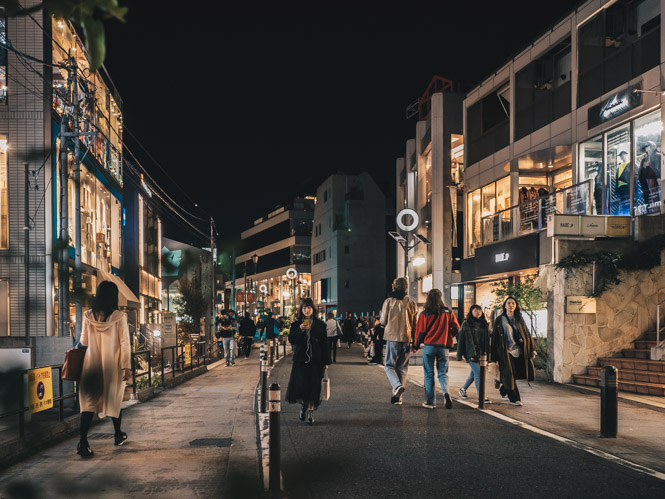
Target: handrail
(527,206)
(142,373)
(20,373)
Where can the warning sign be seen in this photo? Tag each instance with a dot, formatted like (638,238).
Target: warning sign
(188,353)
(40,389)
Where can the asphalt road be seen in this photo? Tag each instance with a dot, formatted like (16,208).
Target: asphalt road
(362,446)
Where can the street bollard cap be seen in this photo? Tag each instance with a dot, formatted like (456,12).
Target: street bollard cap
(609,377)
(274,398)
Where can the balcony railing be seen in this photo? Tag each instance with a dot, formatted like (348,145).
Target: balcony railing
(531,216)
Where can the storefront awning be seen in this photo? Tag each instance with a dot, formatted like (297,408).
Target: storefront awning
(125,296)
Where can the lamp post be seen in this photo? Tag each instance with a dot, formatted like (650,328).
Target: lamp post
(244,290)
(408,228)
(292,274)
(255,259)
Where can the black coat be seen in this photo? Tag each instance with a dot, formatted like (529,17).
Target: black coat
(310,355)
(524,363)
(247,327)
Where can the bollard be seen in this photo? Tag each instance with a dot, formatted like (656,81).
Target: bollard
(609,401)
(272,346)
(274,444)
(276,349)
(264,379)
(481,383)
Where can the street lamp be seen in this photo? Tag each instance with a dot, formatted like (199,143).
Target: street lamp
(404,241)
(255,259)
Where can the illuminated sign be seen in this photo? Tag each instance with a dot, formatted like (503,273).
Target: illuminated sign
(291,273)
(501,257)
(614,106)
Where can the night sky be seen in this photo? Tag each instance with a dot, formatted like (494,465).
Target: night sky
(246,108)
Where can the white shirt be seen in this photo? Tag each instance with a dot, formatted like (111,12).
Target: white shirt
(331,328)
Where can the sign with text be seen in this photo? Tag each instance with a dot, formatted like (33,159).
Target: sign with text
(580,305)
(40,389)
(614,106)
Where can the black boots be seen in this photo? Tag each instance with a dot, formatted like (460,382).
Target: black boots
(301,417)
(310,417)
(84,450)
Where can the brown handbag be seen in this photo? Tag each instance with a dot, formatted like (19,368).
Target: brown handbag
(73,365)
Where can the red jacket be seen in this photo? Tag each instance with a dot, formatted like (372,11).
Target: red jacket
(436,329)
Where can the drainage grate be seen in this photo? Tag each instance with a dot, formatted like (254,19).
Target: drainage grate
(100,436)
(211,442)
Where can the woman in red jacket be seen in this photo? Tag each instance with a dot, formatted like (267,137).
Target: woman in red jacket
(436,327)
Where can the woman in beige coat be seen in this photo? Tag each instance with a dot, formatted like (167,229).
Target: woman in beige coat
(106,366)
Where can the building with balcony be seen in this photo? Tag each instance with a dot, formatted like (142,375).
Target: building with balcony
(273,269)
(349,245)
(429,181)
(563,146)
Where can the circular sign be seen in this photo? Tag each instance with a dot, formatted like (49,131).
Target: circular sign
(291,273)
(412,214)
(263,288)
(41,389)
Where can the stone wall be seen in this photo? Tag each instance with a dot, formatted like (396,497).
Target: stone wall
(623,313)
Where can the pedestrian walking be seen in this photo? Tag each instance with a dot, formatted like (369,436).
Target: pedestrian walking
(270,327)
(247,331)
(349,328)
(514,349)
(228,331)
(106,365)
(398,315)
(474,341)
(437,325)
(377,340)
(311,358)
(332,332)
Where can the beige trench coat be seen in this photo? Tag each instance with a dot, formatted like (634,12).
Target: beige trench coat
(102,387)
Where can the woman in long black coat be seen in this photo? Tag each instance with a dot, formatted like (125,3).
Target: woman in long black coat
(311,357)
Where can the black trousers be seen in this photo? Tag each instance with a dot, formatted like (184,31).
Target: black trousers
(378,352)
(513,395)
(332,346)
(247,342)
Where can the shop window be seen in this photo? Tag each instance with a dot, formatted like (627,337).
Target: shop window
(428,176)
(591,167)
(456,158)
(4,200)
(4,307)
(488,124)
(647,156)
(3,58)
(617,172)
(542,92)
(473,221)
(301,255)
(620,43)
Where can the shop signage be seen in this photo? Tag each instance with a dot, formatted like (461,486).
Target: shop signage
(559,225)
(588,225)
(40,389)
(614,106)
(592,225)
(508,256)
(580,305)
(415,220)
(618,227)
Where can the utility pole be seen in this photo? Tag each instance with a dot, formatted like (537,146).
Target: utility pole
(233,279)
(213,268)
(77,201)
(26,235)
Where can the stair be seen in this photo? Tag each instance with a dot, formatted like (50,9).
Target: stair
(637,373)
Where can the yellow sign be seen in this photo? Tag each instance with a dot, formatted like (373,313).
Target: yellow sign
(188,353)
(40,389)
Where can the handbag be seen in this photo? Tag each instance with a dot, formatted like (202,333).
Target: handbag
(325,387)
(73,365)
(493,369)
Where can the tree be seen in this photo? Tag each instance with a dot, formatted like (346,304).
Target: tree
(88,14)
(190,305)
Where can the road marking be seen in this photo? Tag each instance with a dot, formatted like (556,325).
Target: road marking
(566,441)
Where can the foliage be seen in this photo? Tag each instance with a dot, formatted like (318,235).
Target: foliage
(288,320)
(190,305)
(609,265)
(87,14)
(527,294)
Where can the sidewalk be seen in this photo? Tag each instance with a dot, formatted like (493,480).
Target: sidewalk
(197,439)
(571,412)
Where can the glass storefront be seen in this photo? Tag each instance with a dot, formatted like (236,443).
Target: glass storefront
(628,152)
(481,203)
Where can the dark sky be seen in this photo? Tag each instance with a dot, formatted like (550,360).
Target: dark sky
(245,108)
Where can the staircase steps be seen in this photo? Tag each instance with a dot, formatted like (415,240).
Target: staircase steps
(637,373)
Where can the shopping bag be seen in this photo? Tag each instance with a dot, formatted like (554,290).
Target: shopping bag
(73,365)
(325,387)
(493,370)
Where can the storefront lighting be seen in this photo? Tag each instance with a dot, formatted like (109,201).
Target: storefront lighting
(286,294)
(418,261)
(4,145)
(156,333)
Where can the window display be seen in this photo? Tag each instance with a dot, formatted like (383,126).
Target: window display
(617,174)
(647,160)
(591,167)
(473,221)
(4,200)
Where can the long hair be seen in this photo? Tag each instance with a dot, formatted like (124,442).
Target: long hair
(470,317)
(106,299)
(518,310)
(304,303)
(434,303)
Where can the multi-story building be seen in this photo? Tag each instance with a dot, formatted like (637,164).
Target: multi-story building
(429,181)
(37,114)
(349,245)
(572,125)
(273,267)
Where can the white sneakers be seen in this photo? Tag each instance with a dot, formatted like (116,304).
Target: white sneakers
(462,393)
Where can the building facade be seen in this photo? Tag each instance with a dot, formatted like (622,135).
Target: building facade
(273,269)
(349,245)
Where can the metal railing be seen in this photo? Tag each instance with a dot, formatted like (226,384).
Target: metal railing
(531,216)
(143,373)
(197,351)
(18,375)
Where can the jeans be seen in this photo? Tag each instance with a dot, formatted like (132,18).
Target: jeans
(332,346)
(474,376)
(440,353)
(397,362)
(230,349)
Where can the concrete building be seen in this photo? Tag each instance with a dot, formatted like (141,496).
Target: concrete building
(273,267)
(429,181)
(349,245)
(563,151)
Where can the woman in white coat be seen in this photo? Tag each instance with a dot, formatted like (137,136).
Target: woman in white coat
(106,365)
